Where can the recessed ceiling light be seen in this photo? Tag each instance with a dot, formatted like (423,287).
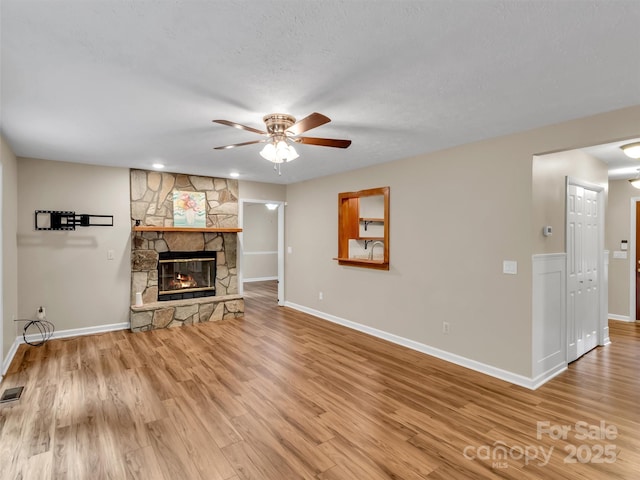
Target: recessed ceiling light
(158,165)
(234,174)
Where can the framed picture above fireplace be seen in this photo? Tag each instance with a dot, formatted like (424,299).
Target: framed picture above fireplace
(189,209)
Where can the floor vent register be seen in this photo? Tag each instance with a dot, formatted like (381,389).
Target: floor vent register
(11,394)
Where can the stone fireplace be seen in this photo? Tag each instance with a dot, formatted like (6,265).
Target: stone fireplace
(155,238)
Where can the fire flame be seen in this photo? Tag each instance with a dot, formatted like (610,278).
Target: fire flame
(183,281)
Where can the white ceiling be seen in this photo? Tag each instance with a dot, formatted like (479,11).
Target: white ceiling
(125,83)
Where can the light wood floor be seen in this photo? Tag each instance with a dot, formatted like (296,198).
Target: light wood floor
(282,395)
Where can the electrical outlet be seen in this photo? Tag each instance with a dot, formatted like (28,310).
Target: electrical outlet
(320,296)
(41,314)
(445,328)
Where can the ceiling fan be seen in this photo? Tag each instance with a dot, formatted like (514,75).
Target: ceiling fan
(281,131)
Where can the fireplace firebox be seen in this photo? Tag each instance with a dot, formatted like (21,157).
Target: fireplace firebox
(184,275)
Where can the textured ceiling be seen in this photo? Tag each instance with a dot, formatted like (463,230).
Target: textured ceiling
(130,83)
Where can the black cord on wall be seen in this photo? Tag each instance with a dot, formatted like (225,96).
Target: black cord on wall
(44,327)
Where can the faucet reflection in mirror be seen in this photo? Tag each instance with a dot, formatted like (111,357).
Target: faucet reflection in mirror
(374,246)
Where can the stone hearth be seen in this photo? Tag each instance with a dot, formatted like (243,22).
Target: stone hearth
(152,206)
(175,313)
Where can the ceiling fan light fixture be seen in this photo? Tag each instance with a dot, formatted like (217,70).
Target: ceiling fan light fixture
(279,153)
(282,151)
(292,154)
(632,150)
(268,152)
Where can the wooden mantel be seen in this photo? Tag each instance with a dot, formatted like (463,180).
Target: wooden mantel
(147,228)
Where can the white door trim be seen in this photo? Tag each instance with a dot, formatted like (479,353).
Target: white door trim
(632,258)
(603,336)
(281,205)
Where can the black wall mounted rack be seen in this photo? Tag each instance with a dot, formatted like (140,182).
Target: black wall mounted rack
(63,220)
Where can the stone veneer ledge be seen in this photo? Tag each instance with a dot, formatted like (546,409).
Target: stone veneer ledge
(152,205)
(175,313)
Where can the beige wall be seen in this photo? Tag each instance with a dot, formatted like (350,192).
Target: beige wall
(9,247)
(260,228)
(618,218)
(455,216)
(68,272)
(451,226)
(549,192)
(262,191)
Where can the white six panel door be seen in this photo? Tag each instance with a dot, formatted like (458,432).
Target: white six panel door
(575,274)
(592,290)
(582,271)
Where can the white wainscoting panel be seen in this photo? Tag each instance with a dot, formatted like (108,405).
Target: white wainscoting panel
(549,330)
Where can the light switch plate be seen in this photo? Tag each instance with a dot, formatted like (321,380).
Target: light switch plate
(619,254)
(510,267)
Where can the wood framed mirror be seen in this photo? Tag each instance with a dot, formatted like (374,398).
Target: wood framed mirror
(363,228)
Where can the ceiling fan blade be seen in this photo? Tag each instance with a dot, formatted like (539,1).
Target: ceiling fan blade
(312,121)
(241,127)
(225,147)
(323,142)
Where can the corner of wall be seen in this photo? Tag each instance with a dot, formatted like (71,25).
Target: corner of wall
(9,262)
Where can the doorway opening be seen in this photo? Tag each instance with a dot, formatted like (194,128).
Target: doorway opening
(620,169)
(261,249)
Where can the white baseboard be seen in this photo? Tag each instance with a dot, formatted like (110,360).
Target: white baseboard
(74,332)
(259,279)
(548,375)
(10,354)
(621,318)
(499,373)
(78,332)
